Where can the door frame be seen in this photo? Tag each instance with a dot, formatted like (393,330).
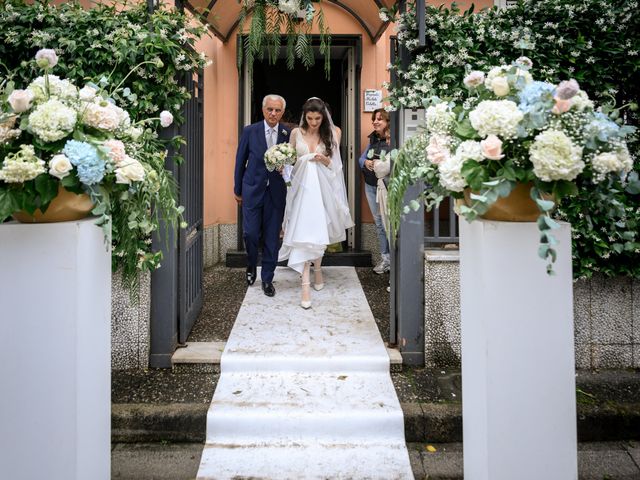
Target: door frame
(354,42)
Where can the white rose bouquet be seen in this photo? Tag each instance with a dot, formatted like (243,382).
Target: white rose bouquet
(508,130)
(278,156)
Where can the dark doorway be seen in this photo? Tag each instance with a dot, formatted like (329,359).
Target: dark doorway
(311,82)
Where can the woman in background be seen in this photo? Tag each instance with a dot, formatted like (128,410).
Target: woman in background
(379,141)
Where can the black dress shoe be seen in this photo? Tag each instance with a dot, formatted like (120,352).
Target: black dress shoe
(251,275)
(268,289)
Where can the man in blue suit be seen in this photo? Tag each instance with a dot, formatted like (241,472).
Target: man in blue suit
(261,193)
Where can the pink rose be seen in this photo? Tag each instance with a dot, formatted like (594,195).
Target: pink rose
(474,79)
(492,147)
(561,106)
(437,150)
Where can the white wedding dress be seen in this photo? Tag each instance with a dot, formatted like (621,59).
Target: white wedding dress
(317,212)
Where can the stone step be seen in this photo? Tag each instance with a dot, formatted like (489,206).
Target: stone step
(319,462)
(284,408)
(204,357)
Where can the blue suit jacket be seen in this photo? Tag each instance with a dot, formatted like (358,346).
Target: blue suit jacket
(251,174)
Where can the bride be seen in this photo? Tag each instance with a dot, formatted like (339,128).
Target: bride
(317,211)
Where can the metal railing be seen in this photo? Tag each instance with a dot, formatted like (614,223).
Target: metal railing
(441,225)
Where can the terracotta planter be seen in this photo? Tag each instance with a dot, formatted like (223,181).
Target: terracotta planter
(517,207)
(65,207)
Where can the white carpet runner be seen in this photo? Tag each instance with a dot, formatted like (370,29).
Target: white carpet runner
(305,394)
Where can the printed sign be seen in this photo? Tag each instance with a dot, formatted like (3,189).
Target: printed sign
(372,100)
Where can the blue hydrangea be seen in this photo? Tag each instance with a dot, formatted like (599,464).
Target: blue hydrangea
(536,96)
(84,156)
(601,128)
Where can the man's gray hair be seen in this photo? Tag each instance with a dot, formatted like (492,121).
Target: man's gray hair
(272,96)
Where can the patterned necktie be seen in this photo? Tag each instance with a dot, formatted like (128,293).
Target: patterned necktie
(271,138)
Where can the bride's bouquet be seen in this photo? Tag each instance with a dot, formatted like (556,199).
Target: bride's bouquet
(279,155)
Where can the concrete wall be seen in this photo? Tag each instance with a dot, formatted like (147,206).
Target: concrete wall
(606,317)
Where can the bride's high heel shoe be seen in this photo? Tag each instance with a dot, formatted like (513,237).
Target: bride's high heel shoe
(305,302)
(318,284)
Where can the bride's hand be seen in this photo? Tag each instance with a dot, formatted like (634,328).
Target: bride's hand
(322,159)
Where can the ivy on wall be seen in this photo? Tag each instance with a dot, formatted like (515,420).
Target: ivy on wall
(596,42)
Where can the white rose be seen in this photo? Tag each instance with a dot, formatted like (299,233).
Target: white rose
(46,58)
(59,166)
(20,100)
(166,118)
(131,170)
(500,86)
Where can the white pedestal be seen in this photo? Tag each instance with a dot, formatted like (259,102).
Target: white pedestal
(518,374)
(55,362)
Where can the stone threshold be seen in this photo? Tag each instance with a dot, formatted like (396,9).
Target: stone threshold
(205,357)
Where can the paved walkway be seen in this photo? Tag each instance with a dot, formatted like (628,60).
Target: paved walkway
(305,394)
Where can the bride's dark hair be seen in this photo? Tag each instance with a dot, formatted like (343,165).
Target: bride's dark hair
(326,135)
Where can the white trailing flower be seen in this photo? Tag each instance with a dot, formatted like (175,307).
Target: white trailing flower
(21,166)
(60,166)
(63,89)
(439,118)
(497,117)
(470,150)
(52,120)
(46,58)
(450,174)
(555,157)
(166,118)
(21,100)
(383,16)
(130,170)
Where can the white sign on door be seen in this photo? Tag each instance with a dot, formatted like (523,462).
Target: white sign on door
(372,100)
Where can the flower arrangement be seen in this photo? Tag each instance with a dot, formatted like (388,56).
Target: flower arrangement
(510,129)
(279,155)
(271,18)
(54,134)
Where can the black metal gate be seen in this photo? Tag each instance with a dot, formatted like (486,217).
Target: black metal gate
(190,244)
(176,287)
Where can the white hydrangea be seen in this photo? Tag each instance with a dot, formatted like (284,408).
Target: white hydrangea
(450,174)
(63,89)
(625,158)
(21,166)
(497,117)
(580,101)
(470,150)
(439,118)
(604,163)
(555,157)
(105,115)
(52,120)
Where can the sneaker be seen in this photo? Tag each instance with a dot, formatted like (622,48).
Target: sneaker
(382,267)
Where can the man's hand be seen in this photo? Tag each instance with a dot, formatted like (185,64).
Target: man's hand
(238,199)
